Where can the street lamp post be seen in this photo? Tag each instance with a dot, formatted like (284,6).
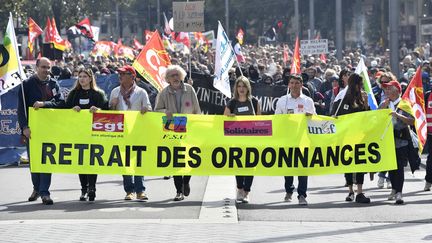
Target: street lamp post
(311,18)
(227,16)
(339,40)
(394,10)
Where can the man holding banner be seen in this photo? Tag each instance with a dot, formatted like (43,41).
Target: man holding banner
(39,90)
(295,103)
(401,122)
(128,96)
(179,98)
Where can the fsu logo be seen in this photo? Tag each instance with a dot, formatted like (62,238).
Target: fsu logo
(108,122)
(176,124)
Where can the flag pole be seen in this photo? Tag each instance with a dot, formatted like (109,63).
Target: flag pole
(190,59)
(386,129)
(20,70)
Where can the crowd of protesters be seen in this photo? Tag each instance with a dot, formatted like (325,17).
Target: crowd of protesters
(321,80)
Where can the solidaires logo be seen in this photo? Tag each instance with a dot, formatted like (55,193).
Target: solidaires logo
(105,122)
(321,127)
(248,128)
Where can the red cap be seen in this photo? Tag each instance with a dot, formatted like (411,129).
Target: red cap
(378,74)
(393,83)
(127,69)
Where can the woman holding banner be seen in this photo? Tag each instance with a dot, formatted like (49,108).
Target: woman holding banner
(87,95)
(178,97)
(354,100)
(243,104)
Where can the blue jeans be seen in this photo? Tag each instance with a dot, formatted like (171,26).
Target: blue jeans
(302,185)
(41,181)
(383,175)
(133,184)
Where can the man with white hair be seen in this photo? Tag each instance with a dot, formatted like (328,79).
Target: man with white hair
(178,97)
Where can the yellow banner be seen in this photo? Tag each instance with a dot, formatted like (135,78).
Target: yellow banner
(114,142)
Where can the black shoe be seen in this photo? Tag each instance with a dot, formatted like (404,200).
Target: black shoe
(34,196)
(46,200)
(361,198)
(186,189)
(179,197)
(91,195)
(350,197)
(167,177)
(83,196)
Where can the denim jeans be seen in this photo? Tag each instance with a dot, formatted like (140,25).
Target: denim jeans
(41,181)
(244,182)
(383,175)
(301,188)
(133,184)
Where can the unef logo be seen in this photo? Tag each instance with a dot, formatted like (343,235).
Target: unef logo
(321,127)
(103,122)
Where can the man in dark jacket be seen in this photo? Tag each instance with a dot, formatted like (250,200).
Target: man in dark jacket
(40,90)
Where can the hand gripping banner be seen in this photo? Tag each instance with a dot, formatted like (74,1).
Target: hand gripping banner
(115,142)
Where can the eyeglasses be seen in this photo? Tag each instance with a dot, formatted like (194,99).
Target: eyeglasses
(45,67)
(125,74)
(173,75)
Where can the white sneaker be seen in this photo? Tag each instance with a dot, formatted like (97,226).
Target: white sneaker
(380,183)
(288,197)
(240,195)
(399,199)
(392,195)
(428,186)
(246,197)
(302,200)
(389,185)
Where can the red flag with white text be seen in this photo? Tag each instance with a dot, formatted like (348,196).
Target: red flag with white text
(152,61)
(295,65)
(413,102)
(33,32)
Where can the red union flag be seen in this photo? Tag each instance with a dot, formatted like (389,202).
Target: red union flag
(103,48)
(33,32)
(413,102)
(85,27)
(152,61)
(240,35)
(295,65)
(125,51)
(104,122)
(56,39)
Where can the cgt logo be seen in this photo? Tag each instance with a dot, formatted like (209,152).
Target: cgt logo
(177,124)
(103,122)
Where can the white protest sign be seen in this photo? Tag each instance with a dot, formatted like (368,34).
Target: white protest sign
(313,47)
(188,16)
